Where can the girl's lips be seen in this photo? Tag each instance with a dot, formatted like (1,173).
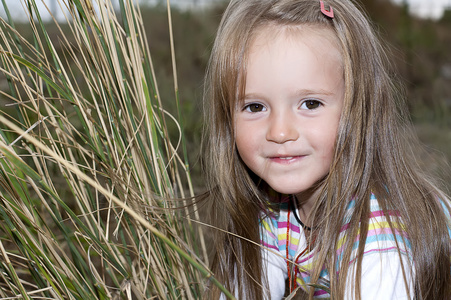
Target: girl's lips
(286,159)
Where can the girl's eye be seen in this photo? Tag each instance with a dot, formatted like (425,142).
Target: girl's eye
(254,107)
(310,104)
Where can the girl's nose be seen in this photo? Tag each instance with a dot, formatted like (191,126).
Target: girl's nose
(281,129)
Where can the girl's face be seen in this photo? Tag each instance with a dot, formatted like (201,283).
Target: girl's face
(287,124)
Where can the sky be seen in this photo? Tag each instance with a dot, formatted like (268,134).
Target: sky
(422,8)
(427,8)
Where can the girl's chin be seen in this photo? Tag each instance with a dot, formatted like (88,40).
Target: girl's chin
(290,190)
(280,194)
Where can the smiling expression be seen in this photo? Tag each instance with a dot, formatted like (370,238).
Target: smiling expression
(286,125)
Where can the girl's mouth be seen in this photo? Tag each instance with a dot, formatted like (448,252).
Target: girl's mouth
(286,159)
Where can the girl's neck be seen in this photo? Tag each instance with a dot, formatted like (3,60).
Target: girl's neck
(305,201)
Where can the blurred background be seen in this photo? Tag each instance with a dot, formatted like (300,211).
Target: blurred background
(417,32)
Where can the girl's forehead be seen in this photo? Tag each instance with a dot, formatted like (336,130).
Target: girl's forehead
(305,33)
(319,39)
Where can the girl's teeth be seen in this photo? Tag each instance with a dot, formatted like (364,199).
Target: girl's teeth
(290,157)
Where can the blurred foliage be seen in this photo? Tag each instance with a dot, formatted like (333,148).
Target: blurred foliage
(420,49)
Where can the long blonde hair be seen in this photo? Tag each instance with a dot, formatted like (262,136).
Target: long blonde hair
(373,154)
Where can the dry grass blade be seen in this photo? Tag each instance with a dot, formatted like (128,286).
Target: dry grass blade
(88,167)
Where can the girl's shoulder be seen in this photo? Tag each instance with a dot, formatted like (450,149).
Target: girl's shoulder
(385,235)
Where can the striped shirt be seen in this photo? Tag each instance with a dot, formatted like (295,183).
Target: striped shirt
(380,239)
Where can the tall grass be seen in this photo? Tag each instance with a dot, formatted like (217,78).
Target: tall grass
(87,167)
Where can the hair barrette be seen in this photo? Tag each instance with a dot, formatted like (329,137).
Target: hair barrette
(329,13)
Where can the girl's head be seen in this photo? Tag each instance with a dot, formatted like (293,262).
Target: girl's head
(347,36)
(286,123)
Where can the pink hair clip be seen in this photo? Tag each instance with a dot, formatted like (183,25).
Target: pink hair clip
(329,13)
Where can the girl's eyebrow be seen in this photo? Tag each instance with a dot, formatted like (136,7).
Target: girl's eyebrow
(309,92)
(298,93)
(248,96)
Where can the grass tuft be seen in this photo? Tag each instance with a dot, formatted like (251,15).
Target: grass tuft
(87,166)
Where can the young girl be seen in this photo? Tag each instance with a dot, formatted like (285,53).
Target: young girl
(309,168)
